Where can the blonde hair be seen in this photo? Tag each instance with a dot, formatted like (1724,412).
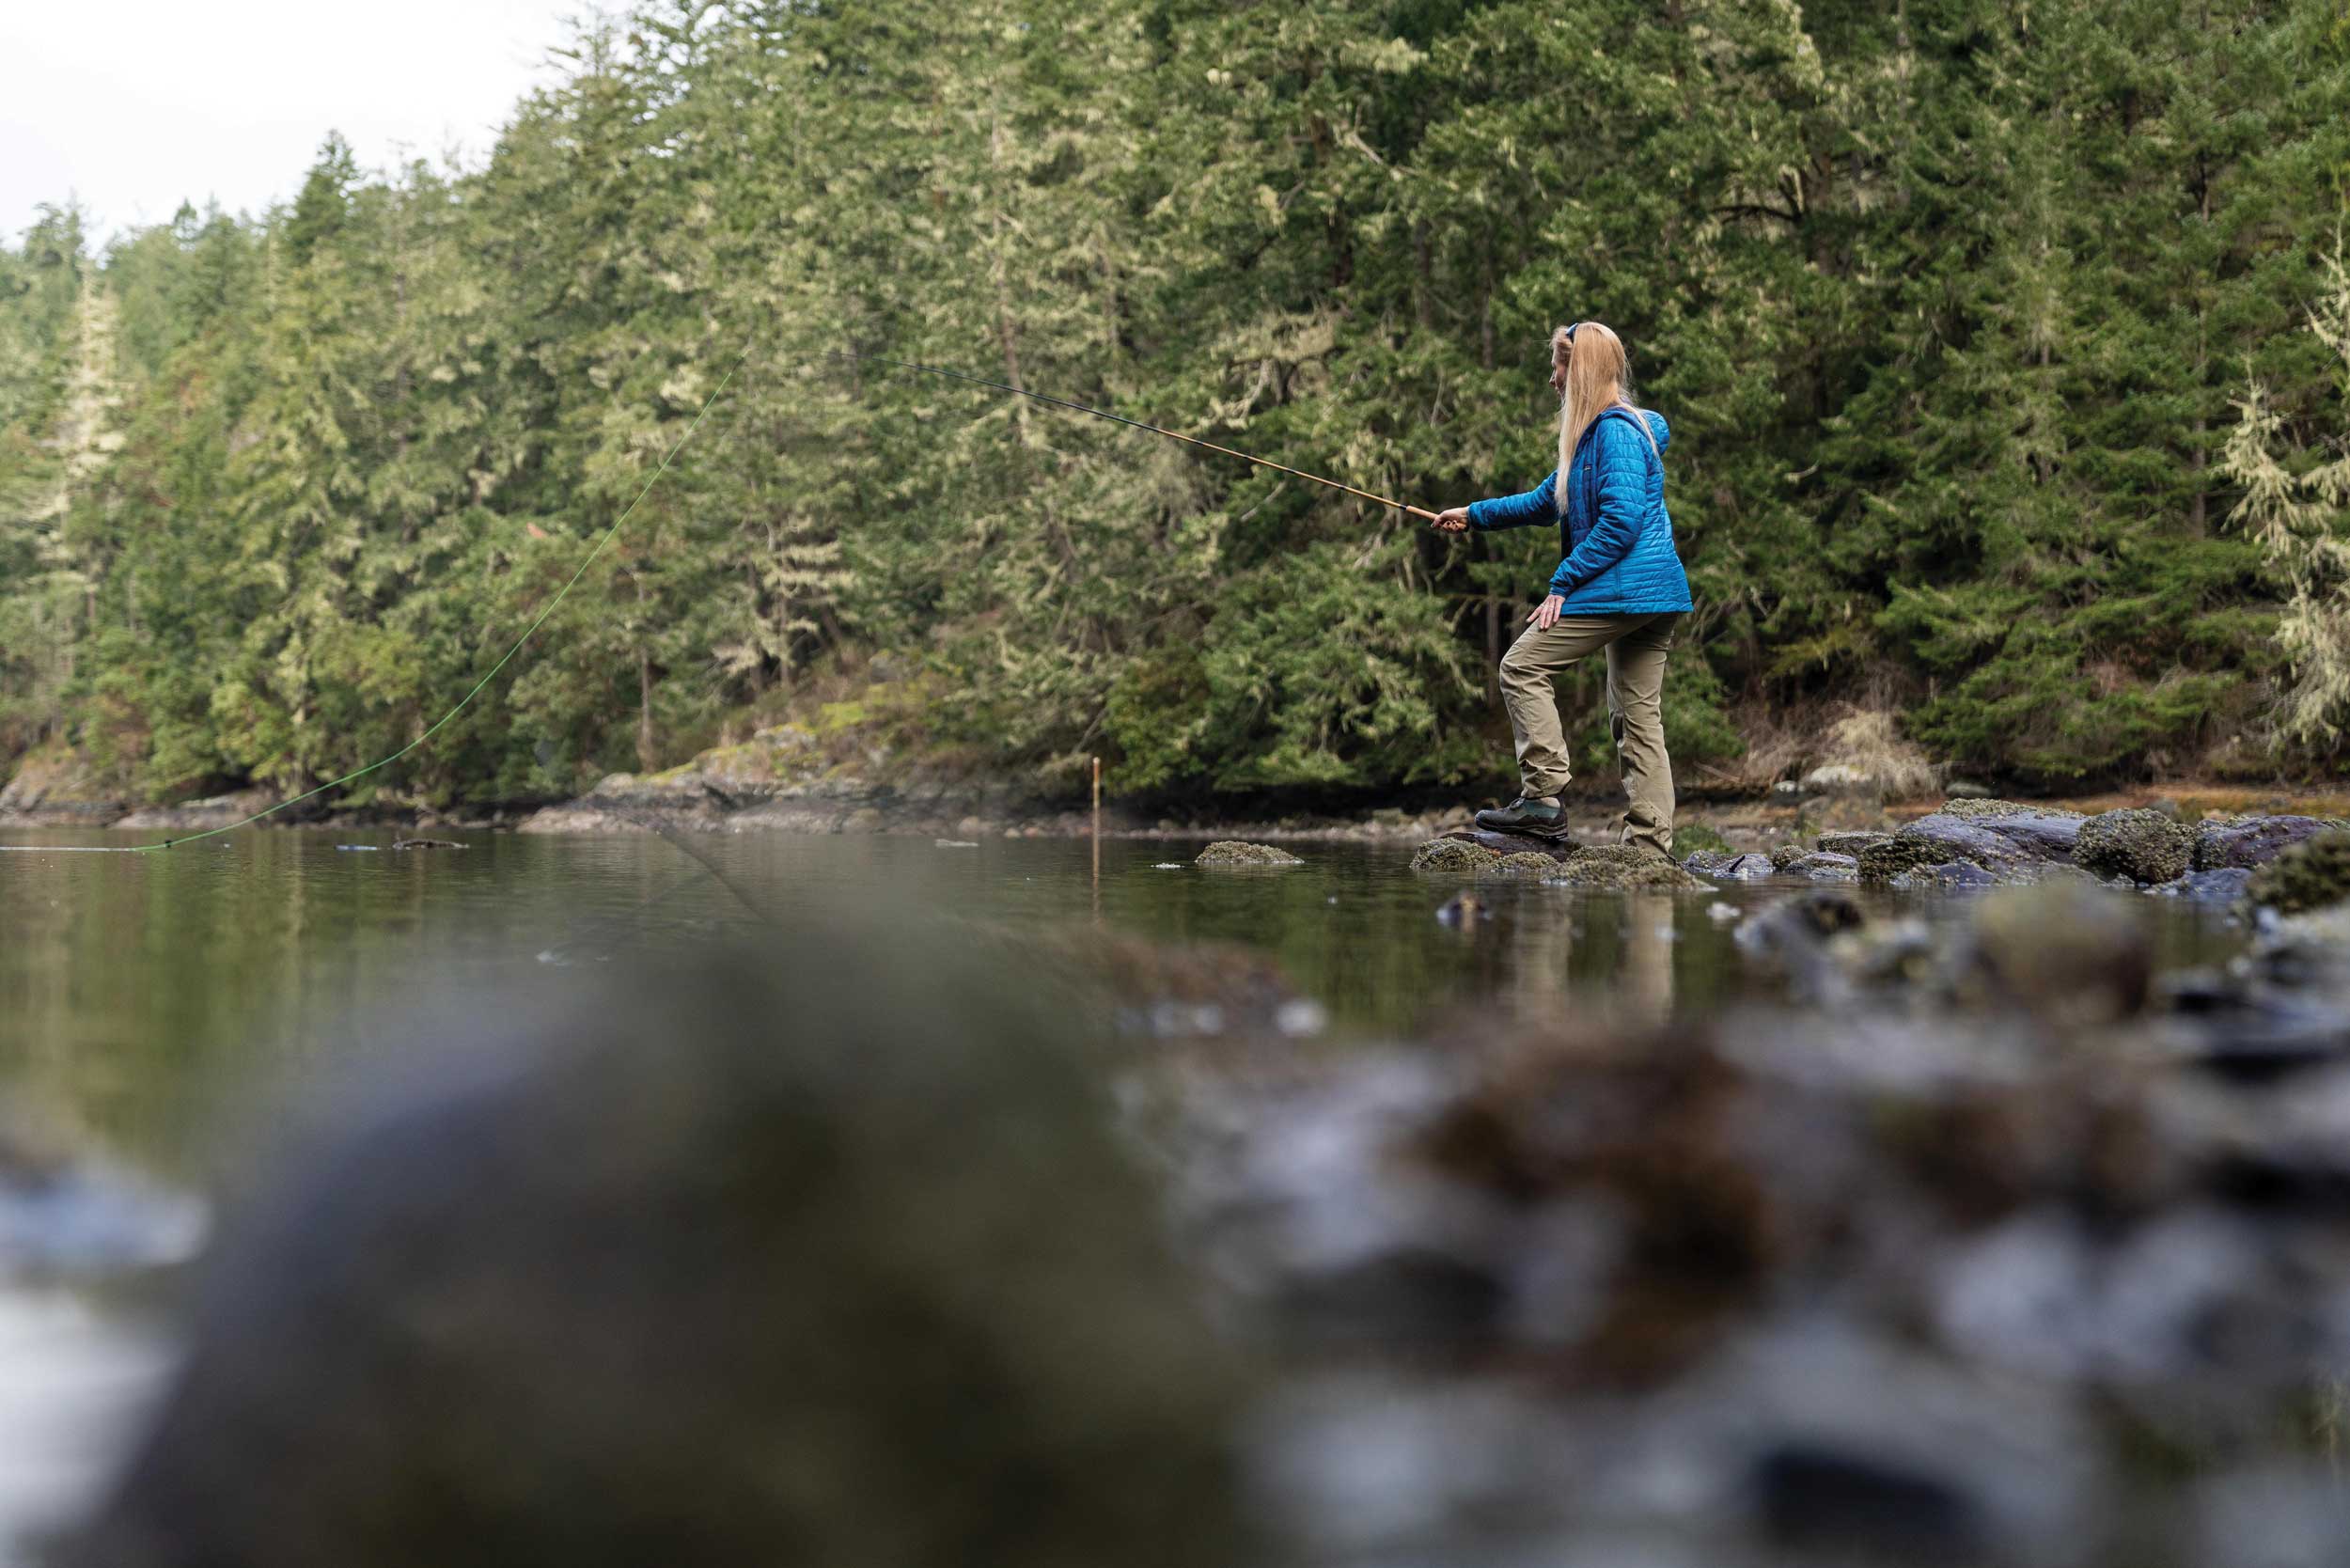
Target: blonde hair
(1599,377)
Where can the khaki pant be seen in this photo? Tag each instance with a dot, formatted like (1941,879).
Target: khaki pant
(1637,646)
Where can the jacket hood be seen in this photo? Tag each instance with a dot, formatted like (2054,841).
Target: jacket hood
(1656,426)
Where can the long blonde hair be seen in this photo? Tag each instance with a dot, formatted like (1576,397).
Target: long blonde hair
(1599,377)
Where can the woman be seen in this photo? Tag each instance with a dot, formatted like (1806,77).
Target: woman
(1619,587)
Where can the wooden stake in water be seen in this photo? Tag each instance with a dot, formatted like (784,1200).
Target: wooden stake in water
(1097,837)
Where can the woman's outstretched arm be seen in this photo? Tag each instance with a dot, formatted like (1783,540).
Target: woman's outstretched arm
(1525,509)
(1538,504)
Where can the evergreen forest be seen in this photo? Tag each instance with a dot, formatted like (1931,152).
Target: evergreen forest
(2006,348)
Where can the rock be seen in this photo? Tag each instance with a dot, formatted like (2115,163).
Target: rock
(2016,843)
(1517,843)
(428,844)
(1825,867)
(1625,867)
(1941,840)
(580,1299)
(1458,855)
(2309,876)
(2069,954)
(1986,805)
(1851,844)
(2224,885)
(865,819)
(1523,863)
(2143,845)
(2251,841)
(1791,940)
(1949,874)
(1731,867)
(1785,855)
(1232,852)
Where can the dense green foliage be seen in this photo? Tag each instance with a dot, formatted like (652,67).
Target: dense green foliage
(1953,305)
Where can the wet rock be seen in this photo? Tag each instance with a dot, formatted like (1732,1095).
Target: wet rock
(2247,1027)
(1178,990)
(2018,846)
(1792,940)
(1456,856)
(1986,806)
(1784,855)
(1749,867)
(2146,846)
(612,1286)
(1950,874)
(2067,953)
(1523,863)
(1825,867)
(2221,886)
(1515,843)
(1234,852)
(2251,841)
(1623,866)
(2309,876)
(1851,843)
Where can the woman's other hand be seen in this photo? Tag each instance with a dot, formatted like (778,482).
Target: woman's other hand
(1454,521)
(1546,613)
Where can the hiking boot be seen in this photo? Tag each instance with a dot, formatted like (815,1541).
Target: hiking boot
(1539,819)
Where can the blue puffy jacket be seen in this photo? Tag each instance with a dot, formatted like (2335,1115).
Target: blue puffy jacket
(1615,533)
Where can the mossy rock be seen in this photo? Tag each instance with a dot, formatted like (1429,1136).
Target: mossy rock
(1891,857)
(2253,841)
(1966,805)
(2311,875)
(1232,852)
(1851,843)
(1785,855)
(2069,952)
(1524,863)
(1622,865)
(2144,845)
(1456,856)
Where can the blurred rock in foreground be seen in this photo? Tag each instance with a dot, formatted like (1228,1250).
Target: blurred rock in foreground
(824,1256)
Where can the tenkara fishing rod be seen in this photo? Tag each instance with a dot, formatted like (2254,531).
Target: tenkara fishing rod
(1137,424)
(609,534)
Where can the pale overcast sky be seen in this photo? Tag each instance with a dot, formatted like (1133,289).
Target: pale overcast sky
(133,106)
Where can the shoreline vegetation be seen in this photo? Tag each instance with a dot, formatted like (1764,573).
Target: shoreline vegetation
(2005,356)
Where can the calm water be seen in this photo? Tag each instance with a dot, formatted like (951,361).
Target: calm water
(144,996)
(160,1006)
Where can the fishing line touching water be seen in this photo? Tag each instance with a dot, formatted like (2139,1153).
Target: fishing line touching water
(613,532)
